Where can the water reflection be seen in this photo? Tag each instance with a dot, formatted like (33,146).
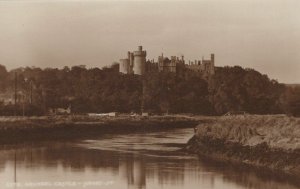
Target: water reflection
(133,171)
(126,163)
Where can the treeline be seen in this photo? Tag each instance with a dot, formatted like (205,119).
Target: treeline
(105,90)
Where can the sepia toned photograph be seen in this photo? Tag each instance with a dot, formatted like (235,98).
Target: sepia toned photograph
(149,94)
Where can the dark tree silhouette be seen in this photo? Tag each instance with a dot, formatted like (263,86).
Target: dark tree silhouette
(104,90)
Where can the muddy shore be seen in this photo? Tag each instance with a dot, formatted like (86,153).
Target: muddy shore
(20,129)
(263,141)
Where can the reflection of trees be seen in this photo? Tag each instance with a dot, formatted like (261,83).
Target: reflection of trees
(133,169)
(171,172)
(137,169)
(246,176)
(62,154)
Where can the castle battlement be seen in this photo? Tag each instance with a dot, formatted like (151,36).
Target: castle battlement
(140,53)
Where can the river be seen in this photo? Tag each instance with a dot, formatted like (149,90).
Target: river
(116,161)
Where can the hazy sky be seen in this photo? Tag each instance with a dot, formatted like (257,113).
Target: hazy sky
(259,34)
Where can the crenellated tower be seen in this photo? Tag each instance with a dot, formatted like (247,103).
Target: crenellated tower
(139,61)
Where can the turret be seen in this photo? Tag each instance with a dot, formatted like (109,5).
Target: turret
(131,57)
(140,48)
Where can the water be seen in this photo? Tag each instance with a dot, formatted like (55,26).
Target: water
(138,160)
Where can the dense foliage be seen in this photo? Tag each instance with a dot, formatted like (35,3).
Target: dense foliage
(106,90)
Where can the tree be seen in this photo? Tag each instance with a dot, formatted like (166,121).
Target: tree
(291,101)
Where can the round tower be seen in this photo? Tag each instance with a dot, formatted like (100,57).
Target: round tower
(139,61)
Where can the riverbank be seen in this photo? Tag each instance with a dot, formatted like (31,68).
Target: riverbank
(263,141)
(20,129)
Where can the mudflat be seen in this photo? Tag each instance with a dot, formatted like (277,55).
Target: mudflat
(21,129)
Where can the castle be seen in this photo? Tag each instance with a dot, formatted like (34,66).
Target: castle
(136,63)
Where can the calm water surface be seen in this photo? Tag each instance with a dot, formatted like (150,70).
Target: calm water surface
(138,160)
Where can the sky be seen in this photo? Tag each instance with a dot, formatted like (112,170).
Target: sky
(259,34)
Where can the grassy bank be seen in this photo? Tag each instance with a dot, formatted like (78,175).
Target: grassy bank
(19,129)
(267,141)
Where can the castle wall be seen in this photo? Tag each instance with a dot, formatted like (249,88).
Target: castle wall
(151,66)
(206,67)
(166,65)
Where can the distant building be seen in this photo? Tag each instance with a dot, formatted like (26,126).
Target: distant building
(136,63)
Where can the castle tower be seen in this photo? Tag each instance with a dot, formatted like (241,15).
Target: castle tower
(161,62)
(139,61)
(124,66)
(212,64)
